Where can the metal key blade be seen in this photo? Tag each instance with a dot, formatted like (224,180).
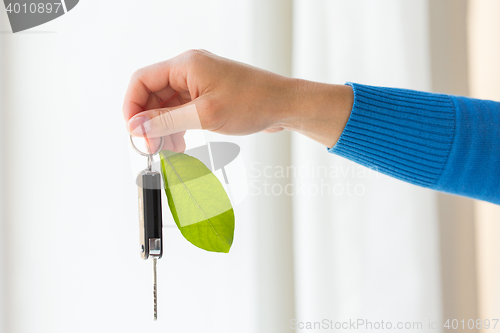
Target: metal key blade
(155,293)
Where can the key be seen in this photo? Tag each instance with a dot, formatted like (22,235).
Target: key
(150,222)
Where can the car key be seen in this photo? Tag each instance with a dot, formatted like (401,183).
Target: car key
(150,217)
(150,222)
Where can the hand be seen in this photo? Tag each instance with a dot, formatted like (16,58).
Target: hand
(199,90)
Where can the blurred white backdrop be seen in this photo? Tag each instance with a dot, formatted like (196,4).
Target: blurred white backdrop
(69,259)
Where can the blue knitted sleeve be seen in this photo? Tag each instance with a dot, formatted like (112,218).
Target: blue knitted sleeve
(443,142)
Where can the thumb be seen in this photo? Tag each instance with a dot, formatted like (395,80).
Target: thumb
(162,122)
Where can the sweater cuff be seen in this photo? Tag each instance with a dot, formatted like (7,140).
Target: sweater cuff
(403,133)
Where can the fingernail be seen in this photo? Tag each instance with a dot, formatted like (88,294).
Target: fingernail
(139,125)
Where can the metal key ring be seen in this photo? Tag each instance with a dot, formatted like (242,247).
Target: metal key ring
(149,156)
(143,153)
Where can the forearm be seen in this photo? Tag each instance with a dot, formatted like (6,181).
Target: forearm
(320,110)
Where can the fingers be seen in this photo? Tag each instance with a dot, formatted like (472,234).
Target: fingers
(155,100)
(175,100)
(160,97)
(174,142)
(163,78)
(152,145)
(178,143)
(167,143)
(166,121)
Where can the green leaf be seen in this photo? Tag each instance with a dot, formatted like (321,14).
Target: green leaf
(198,202)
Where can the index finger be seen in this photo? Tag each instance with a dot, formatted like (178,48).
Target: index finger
(154,78)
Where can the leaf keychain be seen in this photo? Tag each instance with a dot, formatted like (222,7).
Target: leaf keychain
(198,202)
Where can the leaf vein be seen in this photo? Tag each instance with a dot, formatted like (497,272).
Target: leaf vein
(196,202)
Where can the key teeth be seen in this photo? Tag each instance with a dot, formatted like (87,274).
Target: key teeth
(155,291)
(155,309)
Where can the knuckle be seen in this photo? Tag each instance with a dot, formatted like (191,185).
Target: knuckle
(137,74)
(195,55)
(203,51)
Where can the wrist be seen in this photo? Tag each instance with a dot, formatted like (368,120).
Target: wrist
(320,111)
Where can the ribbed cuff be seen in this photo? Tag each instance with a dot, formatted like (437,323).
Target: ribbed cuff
(403,133)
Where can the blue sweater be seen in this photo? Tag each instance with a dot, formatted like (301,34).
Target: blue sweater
(443,142)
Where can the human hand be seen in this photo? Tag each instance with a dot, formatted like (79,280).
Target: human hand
(199,90)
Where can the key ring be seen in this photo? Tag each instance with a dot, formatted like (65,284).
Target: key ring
(149,156)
